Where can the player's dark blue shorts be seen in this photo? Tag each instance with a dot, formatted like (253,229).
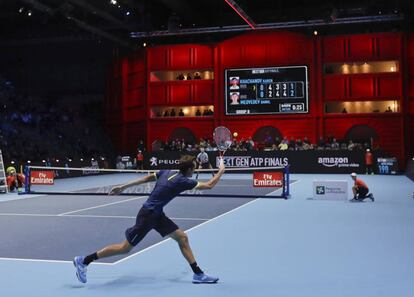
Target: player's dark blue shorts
(147,220)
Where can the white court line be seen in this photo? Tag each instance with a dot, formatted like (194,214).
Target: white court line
(102,205)
(48,261)
(89,216)
(146,249)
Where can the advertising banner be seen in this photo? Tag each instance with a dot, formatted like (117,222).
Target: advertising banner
(42,177)
(315,161)
(330,190)
(268,179)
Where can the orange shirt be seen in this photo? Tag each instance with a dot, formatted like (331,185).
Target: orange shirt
(11,179)
(368,158)
(360,184)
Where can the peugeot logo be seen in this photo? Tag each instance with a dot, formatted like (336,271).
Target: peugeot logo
(153,161)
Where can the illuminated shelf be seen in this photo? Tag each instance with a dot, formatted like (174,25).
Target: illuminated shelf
(182,75)
(362,67)
(355,107)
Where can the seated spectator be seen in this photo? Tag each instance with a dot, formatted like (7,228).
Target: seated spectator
(351,145)
(188,77)
(299,144)
(283,146)
(172,112)
(198,113)
(277,141)
(344,110)
(292,144)
(388,109)
(181,77)
(166,113)
(334,144)
(181,113)
(197,75)
(306,146)
(321,143)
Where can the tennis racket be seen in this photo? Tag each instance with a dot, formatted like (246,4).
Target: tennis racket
(222,138)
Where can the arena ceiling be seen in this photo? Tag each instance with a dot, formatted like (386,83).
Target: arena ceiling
(128,22)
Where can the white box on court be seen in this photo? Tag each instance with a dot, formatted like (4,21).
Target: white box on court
(330,190)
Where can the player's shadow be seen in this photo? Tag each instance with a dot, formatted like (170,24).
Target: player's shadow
(132,281)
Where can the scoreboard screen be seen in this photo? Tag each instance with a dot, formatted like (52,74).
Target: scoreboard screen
(272,90)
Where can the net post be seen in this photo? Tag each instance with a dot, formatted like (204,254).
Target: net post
(286,184)
(26,180)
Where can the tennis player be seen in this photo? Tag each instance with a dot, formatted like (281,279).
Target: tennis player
(151,216)
(360,189)
(203,161)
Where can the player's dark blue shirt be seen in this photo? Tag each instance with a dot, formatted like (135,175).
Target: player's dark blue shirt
(169,185)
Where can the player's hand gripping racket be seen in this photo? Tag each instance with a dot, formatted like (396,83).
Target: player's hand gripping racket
(222,138)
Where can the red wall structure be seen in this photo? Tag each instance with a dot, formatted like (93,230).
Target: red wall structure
(144,82)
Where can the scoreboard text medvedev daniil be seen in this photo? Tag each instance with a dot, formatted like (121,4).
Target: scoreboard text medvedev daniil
(266,90)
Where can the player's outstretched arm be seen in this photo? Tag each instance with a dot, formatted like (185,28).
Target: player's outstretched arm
(118,189)
(213,181)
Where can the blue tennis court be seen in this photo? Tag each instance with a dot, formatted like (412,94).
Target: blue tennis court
(265,247)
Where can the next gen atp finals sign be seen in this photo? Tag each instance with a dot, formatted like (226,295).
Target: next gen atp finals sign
(268,179)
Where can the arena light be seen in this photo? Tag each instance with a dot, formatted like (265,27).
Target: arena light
(43,161)
(81,160)
(28,161)
(241,13)
(57,160)
(70,160)
(113,2)
(12,162)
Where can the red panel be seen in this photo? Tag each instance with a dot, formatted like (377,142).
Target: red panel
(255,53)
(410,46)
(133,98)
(135,80)
(297,128)
(277,53)
(180,93)
(411,66)
(411,110)
(361,47)
(333,49)
(387,127)
(361,87)
(231,56)
(203,92)
(180,57)
(157,93)
(203,57)
(162,129)
(266,49)
(411,87)
(157,58)
(389,46)
(389,87)
(335,87)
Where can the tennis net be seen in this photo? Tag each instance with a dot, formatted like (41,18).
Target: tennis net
(266,182)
